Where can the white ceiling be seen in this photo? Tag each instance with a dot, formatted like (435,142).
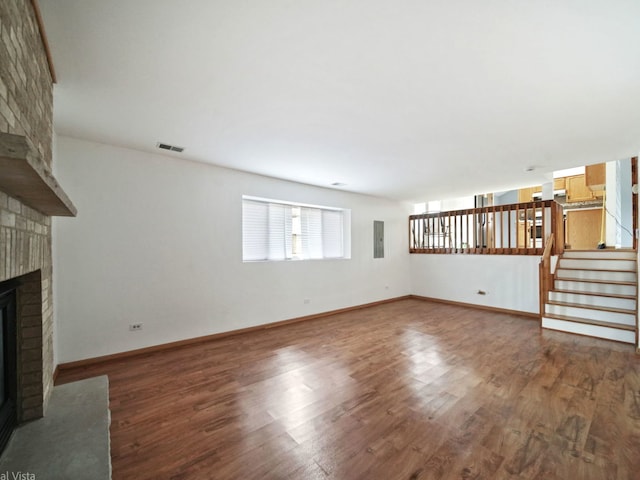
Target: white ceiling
(412,100)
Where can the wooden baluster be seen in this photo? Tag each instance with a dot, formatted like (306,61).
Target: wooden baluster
(452,239)
(517,229)
(469,218)
(434,231)
(415,233)
(491,213)
(500,228)
(494,228)
(479,217)
(447,229)
(528,229)
(509,229)
(433,239)
(412,225)
(455,232)
(449,232)
(491,225)
(463,220)
(427,232)
(497,225)
(543,230)
(534,207)
(431,231)
(469,225)
(485,233)
(523,240)
(475,231)
(445,232)
(559,228)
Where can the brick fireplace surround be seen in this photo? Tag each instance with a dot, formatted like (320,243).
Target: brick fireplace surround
(26,104)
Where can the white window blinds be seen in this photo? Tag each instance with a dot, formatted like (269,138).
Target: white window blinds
(255,229)
(282,231)
(332,234)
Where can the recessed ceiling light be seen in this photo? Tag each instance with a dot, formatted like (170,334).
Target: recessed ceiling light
(338,184)
(171,148)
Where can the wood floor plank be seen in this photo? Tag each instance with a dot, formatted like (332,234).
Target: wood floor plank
(404,390)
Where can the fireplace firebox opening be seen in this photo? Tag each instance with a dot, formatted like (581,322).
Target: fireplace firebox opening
(8,362)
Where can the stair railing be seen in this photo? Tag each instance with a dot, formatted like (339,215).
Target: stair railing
(546,277)
(516,229)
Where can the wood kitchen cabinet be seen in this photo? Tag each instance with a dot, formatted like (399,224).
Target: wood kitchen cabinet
(526,194)
(577,190)
(595,176)
(582,228)
(559,183)
(524,234)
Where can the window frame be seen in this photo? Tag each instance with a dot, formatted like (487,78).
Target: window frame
(327,242)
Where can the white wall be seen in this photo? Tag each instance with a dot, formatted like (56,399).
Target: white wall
(505,198)
(158,240)
(510,281)
(638,292)
(611,203)
(624,234)
(457,203)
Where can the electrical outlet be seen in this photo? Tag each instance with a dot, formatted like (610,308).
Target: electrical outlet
(134,327)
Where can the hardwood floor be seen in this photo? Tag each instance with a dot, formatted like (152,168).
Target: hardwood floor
(406,390)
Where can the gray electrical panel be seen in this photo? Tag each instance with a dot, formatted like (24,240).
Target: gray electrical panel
(378,239)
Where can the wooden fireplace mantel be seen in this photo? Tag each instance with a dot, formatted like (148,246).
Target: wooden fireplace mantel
(24,176)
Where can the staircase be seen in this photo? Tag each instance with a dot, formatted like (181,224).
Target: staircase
(595,293)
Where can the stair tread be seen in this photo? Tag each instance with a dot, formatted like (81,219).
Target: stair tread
(588,280)
(592,307)
(601,256)
(560,267)
(595,294)
(600,250)
(619,326)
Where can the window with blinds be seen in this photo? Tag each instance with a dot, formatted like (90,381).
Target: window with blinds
(274,230)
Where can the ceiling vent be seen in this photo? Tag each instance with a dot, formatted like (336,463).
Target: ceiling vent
(171,148)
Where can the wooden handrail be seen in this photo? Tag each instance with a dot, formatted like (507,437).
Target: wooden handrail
(545,276)
(546,255)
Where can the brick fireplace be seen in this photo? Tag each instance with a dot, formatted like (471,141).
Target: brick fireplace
(26,189)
